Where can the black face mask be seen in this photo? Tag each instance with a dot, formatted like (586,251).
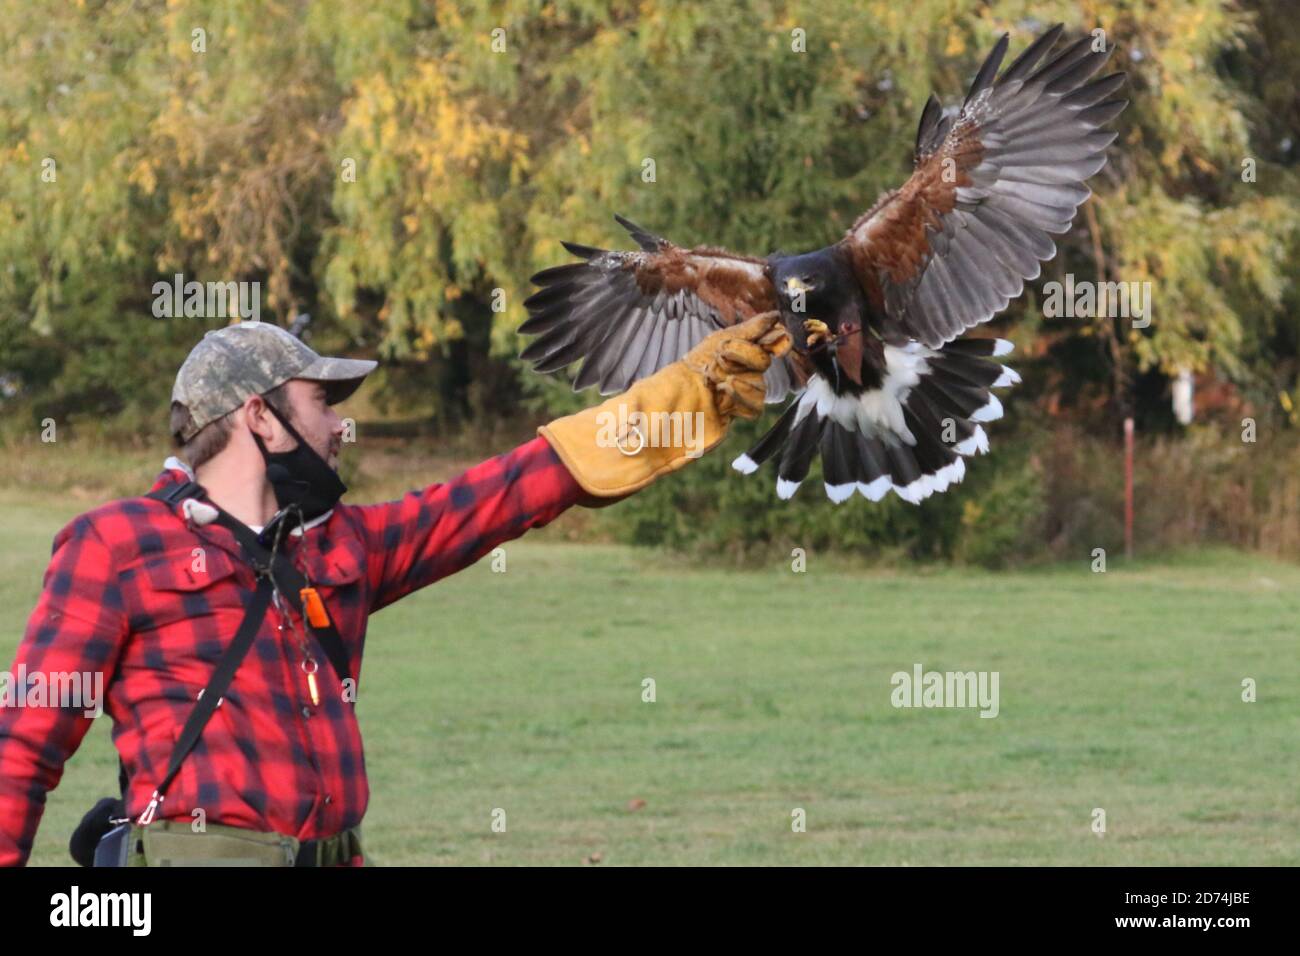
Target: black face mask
(302,479)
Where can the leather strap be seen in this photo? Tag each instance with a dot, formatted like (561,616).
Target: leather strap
(219,683)
(289,581)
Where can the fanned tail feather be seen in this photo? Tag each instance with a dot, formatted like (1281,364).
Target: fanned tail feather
(911,436)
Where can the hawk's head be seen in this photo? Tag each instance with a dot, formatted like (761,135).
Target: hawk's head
(815,286)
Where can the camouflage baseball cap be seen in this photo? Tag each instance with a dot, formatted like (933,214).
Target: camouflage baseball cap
(250,358)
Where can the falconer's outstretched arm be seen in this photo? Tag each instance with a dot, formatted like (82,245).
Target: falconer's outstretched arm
(592,458)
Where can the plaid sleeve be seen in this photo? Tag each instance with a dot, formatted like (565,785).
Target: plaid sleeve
(75,632)
(436,531)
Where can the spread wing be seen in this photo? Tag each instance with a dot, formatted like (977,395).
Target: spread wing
(957,242)
(628,314)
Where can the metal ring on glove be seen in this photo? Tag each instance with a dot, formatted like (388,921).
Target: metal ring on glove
(636,451)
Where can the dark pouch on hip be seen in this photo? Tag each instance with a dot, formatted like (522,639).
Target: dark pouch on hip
(114,847)
(96,827)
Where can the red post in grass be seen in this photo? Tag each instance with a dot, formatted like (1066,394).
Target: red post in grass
(1128,487)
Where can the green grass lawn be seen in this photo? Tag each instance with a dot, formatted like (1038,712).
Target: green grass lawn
(522,691)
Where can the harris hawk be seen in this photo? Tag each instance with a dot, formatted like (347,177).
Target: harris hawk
(885,388)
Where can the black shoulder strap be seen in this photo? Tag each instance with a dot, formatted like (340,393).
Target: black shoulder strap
(218,684)
(290,582)
(288,579)
(175,493)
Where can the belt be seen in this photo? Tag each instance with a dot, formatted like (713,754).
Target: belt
(338,850)
(175,843)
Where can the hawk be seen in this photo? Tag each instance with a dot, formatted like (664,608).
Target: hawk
(885,388)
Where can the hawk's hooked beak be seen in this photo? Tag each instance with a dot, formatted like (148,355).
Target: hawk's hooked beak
(794,285)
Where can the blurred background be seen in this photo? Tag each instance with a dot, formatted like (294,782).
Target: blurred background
(398,170)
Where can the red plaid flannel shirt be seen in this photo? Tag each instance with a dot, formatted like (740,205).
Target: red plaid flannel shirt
(122,596)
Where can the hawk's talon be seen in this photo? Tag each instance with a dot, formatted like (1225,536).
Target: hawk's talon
(816,330)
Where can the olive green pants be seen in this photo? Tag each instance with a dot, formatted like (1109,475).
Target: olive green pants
(174,843)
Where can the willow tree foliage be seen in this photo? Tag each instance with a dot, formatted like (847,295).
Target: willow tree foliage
(399,169)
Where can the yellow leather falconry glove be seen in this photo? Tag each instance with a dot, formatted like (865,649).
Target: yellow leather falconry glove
(673,416)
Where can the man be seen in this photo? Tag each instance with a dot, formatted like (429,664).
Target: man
(148,592)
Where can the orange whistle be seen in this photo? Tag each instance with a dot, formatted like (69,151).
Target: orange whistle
(314,608)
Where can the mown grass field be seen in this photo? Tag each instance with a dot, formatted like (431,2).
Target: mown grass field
(522,691)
